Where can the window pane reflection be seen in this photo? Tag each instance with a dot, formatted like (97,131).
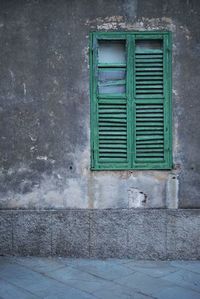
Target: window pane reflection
(112,81)
(111,52)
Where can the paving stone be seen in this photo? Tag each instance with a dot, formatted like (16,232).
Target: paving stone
(70,233)
(77,262)
(38,284)
(119,260)
(9,291)
(143,283)
(87,279)
(118,292)
(56,290)
(193,266)
(152,268)
(147,234)
(108,233)
(109,271)
(89,262)
(141,296)
(5,232)
(185,279)
(41,265)
(19,275)
(6,260)
(176,292)
(32,233)
(78,279)
(183,237)
(65,292)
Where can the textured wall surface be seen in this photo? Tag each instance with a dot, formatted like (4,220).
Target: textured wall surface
(139,233)
(44,112)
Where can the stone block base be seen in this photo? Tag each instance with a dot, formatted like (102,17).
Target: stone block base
(156,234)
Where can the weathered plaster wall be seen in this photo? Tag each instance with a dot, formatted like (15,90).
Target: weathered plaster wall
(44,105)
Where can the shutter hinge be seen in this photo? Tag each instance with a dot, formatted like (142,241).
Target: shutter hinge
(92,158)
(91,50)
(93,154)
(93,151)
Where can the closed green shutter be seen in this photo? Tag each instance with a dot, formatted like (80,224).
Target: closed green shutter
(130,101)
(112,131)
(151,101)
(109,114)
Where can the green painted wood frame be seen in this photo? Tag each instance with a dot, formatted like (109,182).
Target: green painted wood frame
(130,38)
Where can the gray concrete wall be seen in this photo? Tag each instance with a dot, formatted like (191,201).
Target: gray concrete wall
(124,233)
(44,106)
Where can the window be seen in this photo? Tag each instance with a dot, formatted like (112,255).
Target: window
(130,100)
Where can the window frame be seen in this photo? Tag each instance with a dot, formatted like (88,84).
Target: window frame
(128,37)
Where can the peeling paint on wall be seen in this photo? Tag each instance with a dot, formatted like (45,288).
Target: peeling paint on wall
(119,22)
(136,198)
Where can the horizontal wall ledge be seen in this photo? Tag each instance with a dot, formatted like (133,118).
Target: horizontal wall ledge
(153,234)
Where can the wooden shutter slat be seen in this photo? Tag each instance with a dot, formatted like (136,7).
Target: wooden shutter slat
(108,146)
(150,155)
(148,60)
(147,114)
(148,73)
(112,137)
(150,124)
(148,52)
(106,164)
(149,146)
(148,56)
(148,82)
(152,142)
(119,142)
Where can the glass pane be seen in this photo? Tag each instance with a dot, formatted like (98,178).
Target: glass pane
(112,81)
(111,51)
(112,89)
(154,44)
(111,74)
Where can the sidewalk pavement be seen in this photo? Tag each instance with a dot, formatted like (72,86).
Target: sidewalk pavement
(58,278)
